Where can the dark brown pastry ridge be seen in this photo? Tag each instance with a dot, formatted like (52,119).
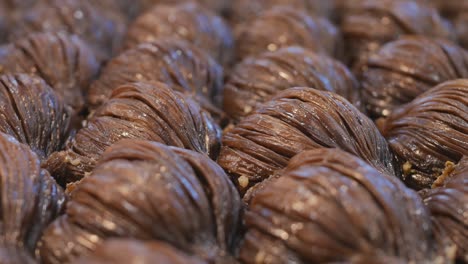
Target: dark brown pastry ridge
(150,111)
(429,131)
(283,26)
(190,22)
(134,8)
(403,69)
(215,5)
(295,120)
(457,13)
(30,201)
(246,10)
(368,24)
(31,112)
(128,251)
(4,25)
(335,208)
(448,206)
(256,79)
(152,192)
(178,64)
(102,30)
(65,62)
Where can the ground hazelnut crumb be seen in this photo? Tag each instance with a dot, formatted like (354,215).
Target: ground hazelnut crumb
(243,181)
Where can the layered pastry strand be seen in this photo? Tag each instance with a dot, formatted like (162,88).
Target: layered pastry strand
(64,61)
(131,251)
(190,22)
(150,111)
(429,131)
(30,200)
(284,26)
(257,79)
(33,114)
(368,24)
(101,29)
(457,13)
(176,63)
(295,120)
(448,205)
(329,206)
(152,192)
(403,69)
(219,6)
(245,10)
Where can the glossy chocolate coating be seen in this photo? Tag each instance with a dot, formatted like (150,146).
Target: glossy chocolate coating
(245,10)
(129,251)
(403,69)
(283,26)
(101,29)
(152,191)
(429,131)
(335,208)
(150,111)
(178,64)
(368,24)
(257,79)
(65,62)
(448,206)
(295,120)
(190,22)
(31,112)
(30,200)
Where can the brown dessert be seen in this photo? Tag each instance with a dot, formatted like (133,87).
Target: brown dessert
(178,64)
(31,112)
(448,206)
(403,69)
(65,62)
(335,208)
(368,24)
(130,251)
(429,131)
(190,22)
(257,79)
(30,200)
(284,26)
(295,120)
(149,191)
(150,111)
